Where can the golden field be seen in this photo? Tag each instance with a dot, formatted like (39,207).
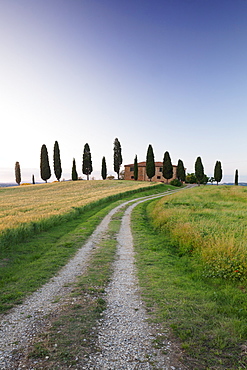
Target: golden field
(21,204)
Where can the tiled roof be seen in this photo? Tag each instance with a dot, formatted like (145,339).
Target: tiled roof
(143,164)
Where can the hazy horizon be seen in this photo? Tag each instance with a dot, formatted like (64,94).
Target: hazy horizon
(171,73)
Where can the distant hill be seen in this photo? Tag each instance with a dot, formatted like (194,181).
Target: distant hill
(7,184)
(231,183)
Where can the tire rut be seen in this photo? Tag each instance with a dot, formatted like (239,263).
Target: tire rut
(24,322)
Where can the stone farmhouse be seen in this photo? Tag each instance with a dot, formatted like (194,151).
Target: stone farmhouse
(142,176)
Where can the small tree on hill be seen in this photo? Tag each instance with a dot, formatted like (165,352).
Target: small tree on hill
(180,171)
(87,167)
(236,177)
(190,178)
(135,168)
(167,170)
(57,161)
(103,169)
(33,180)
(218,172)
(117,156)
(17,173)
(199,170)
(45,171)
(74,174)
(205,179)
(150,165)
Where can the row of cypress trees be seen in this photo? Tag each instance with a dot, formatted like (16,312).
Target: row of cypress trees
(87,167)
(167,169)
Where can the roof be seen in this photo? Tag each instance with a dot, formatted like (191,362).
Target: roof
(143,164)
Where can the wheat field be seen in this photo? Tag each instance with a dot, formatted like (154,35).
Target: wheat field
(21,204)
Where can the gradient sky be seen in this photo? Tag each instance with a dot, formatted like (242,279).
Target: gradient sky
(171,73)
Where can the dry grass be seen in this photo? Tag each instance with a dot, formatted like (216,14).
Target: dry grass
(35,202)
(210,221)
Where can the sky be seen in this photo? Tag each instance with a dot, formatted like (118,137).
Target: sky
(170,73)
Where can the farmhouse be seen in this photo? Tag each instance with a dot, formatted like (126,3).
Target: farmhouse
(142,176)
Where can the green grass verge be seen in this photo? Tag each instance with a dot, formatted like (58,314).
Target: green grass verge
(26,230)
(207,317)
(72,336)
(26,265)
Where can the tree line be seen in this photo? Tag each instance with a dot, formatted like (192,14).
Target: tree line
(87,167)
(167,170)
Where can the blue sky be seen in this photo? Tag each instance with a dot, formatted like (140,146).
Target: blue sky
(170,73)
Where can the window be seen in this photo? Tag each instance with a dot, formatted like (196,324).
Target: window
(131,169)
(132,177)
(161,169)
(158,177)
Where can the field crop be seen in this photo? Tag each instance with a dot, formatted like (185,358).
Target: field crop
(24,204)
(205,316)
(209,223)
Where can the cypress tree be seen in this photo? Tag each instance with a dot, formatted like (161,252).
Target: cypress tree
(135,168)
(180,171)
(87,167)
(218,172)
(74,174)
(57,161)
(17,173)
(199,170)
(45,171)
(167,167)
(117,156)
(33,180)
(103,169)
(150,165)
(236,177)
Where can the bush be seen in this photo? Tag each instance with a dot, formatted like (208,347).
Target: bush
(176,182)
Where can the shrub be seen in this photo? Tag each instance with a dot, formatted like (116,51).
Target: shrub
(176,182)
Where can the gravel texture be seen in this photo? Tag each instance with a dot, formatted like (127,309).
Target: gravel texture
(23,322)
(125,337)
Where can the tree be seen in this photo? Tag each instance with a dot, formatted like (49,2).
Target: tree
(33,180)
(236,177)
(135,168)
(74,174)
(87,167)
(57,161)
(180,171)
(117,156)
(45,171)
(199,170)
(190,178)
(205,179)
(150,165)
(218,172)
(103,169)
(167,170)
(17,173)
(110,177)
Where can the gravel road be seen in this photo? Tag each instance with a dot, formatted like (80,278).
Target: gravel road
(125,337)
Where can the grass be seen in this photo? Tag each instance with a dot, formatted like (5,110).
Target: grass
(23,204)
(205,316)
(71,338)
(25,211)
(26,265)
(211,224)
